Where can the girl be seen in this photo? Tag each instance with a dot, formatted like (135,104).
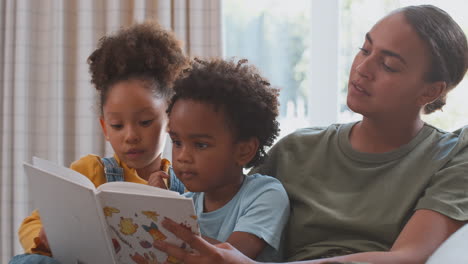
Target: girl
(133,72)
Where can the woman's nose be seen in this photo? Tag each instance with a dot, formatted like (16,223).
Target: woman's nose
(364,67)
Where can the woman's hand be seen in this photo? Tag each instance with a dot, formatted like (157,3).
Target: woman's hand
(204,251)
(158,179)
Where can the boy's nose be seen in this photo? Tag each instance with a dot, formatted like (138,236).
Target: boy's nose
(184,155)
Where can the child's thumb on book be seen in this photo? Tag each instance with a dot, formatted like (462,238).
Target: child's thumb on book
(165,164)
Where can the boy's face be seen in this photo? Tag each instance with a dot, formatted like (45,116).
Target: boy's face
(205,153)
(135,124)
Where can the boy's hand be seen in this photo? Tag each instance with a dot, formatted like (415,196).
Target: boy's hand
(158,179)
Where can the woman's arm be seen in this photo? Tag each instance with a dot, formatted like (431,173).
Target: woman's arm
(421,236)
(424,232)
(248,244)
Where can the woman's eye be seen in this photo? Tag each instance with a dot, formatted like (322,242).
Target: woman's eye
(146,122)
(364,51)
(116,126)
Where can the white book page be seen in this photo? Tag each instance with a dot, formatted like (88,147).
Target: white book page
(69,214)
(63,172)
(137,188)
(134,222)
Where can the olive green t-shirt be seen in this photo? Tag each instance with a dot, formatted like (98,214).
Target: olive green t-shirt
(342,199)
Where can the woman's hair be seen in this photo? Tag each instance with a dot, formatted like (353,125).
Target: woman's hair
(250,105)
(447,44)
(145,52)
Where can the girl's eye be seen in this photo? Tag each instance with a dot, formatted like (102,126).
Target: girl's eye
(364,51)
(116,126)
(146,122)
(200,145)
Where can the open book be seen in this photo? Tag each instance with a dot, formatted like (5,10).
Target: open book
(114,223)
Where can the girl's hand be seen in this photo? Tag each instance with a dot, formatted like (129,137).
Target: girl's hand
(156,179)
(204,251)
(43,239)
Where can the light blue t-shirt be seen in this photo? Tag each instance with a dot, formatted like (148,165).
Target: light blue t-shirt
(261,208)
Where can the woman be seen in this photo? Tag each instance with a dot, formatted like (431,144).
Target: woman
(387,189)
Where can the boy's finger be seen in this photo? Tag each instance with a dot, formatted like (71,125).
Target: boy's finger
(195,242)
(182,255)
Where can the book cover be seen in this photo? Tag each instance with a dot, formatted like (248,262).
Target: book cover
(117,222)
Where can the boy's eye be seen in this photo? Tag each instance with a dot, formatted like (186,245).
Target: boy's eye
(146,122)
(200,145)
(116,126)
(176,143)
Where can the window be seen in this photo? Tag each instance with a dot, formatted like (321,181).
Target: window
(274,36)
(306,47)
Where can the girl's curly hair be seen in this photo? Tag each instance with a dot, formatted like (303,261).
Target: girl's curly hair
(145,52)
(250,104)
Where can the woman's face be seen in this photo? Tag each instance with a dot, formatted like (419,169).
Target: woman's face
(387,75)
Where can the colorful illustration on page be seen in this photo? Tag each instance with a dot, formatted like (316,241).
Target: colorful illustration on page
(151,215)
(127,227)
(109,211)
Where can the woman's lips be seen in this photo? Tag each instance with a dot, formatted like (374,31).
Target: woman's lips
(358,89)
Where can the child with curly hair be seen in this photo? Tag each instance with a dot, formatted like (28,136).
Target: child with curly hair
(133,72)
(221,119)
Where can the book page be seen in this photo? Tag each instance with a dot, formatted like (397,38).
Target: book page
(135,220)
(70,216)
(137,188)
(63,172)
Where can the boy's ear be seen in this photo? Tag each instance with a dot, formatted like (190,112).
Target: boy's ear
(246,150)
(432,91)
(103,127)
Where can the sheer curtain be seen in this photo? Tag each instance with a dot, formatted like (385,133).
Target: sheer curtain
(46,99)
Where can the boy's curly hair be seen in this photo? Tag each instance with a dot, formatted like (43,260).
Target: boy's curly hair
(250,104)
(145,52)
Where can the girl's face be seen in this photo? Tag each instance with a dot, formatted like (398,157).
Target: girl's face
(387,75)
(204,149)
(135,123)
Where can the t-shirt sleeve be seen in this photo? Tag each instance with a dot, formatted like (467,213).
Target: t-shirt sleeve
(267,167)
(447,192)
(28,234)
(91,167)
(267,214)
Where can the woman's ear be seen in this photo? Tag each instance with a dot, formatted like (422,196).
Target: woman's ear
(246,150)
(103,127)
(432,91)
